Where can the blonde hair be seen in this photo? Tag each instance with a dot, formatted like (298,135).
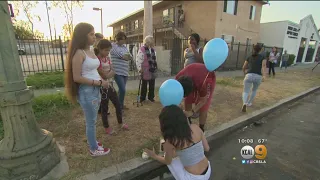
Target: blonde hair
(147,40)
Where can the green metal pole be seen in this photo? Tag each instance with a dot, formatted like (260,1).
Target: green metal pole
(26,151)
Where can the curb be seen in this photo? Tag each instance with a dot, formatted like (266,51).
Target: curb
(133,168)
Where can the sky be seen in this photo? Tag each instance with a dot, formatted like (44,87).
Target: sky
(114,10)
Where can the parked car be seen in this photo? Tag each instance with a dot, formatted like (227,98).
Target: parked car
(21,50)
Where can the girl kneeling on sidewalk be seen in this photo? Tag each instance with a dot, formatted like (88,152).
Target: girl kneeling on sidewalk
(106,72)
(185,140)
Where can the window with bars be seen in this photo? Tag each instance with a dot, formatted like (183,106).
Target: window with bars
(252,12)
(230,7)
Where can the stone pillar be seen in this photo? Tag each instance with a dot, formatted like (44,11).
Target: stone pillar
(147,19)
(315,51)
(26,151)
(305,51)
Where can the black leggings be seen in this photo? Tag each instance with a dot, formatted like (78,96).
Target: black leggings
(271,67)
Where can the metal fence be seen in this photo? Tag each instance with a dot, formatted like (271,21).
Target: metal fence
(238,53)
(49,54)
(42,55)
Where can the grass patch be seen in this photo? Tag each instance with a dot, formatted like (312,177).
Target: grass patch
(1,129)
(45,80)
(46,106)
(49,104)
(233,82)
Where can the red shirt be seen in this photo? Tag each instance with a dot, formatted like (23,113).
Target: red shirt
(198,73)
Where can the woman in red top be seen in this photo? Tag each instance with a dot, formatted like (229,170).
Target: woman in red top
(198,85)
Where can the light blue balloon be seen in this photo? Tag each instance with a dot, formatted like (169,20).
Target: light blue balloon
(171,92)
(215,52)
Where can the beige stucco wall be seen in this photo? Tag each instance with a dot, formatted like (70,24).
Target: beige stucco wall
(163,59)
(208,19)
(240,26)
(200,16)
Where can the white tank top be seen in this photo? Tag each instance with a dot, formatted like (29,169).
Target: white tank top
(89,68)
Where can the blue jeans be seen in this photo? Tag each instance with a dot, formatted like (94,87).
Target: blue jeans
(89,98)
(121,83)
(284,64)
(251,80)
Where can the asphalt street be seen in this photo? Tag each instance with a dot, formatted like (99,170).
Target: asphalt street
(292,138)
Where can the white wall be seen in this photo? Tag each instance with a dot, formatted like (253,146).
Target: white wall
(307,27)
(290,45)
(273,33)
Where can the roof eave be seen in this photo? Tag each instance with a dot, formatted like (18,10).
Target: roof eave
(131,14)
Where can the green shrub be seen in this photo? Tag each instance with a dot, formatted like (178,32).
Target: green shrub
(49,104)
(45,105)
(45,80)
(291,59)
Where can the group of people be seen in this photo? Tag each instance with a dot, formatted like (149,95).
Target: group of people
(93,62)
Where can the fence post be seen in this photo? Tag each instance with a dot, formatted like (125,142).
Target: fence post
(238,55)
(61,52)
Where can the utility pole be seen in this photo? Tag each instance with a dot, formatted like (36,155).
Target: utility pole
(147,19)
(100,9)
(48,19)
(26,151)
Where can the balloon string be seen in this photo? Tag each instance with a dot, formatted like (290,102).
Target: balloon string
(201,86)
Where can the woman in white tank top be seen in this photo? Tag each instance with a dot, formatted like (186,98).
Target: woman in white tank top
(83,82)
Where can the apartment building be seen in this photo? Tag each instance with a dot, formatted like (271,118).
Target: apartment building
(235,21)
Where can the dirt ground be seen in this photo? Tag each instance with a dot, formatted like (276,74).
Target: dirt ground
(69,128)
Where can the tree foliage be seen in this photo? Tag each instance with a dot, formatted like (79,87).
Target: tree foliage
(68,7)
(26,7)
(23,30)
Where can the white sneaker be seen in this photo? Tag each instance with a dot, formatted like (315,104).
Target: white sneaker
(100,152)
(249,104)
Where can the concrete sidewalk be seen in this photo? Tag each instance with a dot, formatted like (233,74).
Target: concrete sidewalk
(134,84)
(290,135)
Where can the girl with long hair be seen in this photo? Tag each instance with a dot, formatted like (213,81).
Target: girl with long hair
(254,69)
(187,142)
(83,82)
(106,71)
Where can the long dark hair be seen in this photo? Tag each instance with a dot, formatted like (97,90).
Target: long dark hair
(274,53)
(175,127)
(79,40)
(256,50)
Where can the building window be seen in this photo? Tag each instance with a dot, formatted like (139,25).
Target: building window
(168,16)
(230,6)
(165,13)
(136,24)
(121,27)
(252,12)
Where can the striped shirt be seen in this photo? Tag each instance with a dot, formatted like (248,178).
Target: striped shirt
(120,66)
